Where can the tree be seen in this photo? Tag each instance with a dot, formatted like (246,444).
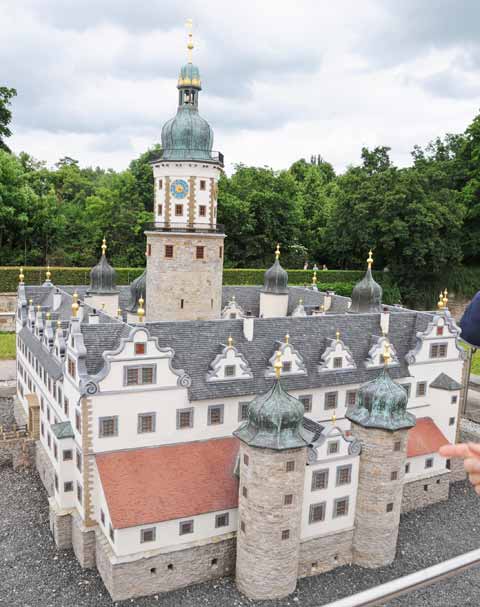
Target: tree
(6,95)
(142,171)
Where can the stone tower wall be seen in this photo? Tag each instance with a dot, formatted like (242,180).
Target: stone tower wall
(198,282)
(267,565)
(376,528)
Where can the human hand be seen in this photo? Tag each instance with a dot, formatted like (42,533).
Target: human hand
(470,453)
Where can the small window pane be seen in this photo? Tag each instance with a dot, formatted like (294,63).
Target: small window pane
(169,250)
(200,252)
(147,535)
(316,513)
(147,375)
(288,499)
(230,370)
(421,388)
(186,527)
(287,366)
(330,400)
(184,418)
(306,401)
(242,411)
(290,466)
(146,422)
(222,520)
(139,348)
(285,534)
(340,507)
(429,462)
(344,475)
(351,398)
(215,415)
(319,479)
(108,426)
(333,447)
(337,362)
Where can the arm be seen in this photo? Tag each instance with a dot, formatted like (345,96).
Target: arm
(470,453)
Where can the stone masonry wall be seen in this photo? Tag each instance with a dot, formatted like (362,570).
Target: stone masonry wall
(425,491)
(19,413)
(267,565)
(322,554)
(60,526)
(44,468)
(195,281)
(376,528)
(83,542)
(163,572)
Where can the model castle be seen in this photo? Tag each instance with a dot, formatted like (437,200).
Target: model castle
(189,431)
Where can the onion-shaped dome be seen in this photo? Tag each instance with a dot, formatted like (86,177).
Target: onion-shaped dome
(189,77)
(103,278)
(381,403)
(275,421)
(138,290)
(276,278)
(367,294)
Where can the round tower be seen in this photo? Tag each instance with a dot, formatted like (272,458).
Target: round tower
(272,473)
(367,294)
(185,243)
(381,422)
(274,295)
(103,293)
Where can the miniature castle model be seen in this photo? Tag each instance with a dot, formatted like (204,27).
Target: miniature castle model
(189,431)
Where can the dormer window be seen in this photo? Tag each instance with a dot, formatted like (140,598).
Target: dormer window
(140,348)
(287,366)
(337,362)
(230,370)
(71,367)
(439,331)
(137,376)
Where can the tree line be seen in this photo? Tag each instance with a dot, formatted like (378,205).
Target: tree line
(422,221)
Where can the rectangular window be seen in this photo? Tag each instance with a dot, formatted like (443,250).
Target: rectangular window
(390,507)
(146,423)
(169,250)
(246,459)
(454,400)
(429,462)
(66,406)
(102,517)
(200,252)
(230,370)
(184,418)
(451,421)
(108,426)
(316,513)
(186,527)
(397,445)
(68,487)
(79,493)
(394,475)
(49,440)
(306,401)
(159,209)
(243,411)
(242,526)
(351,398)
(79,460)
(55,451)
(439,331)
(42,429)
(56,483)
(287,366)
(319,479)
(160,184)
(147,535)
(244,492)
(140,348)
(215,415)
(71,367)
(203,184)
(202,210)
(288,499)
(344,475)
(78,424)
(407,468)
(139,376)
(220,252)
(285,534)
(222,520)
(438,350)
(333,447)
(340,507)
(178,210)
(111,533)
(337,362)
(290,466)
(421,388)
(331,400)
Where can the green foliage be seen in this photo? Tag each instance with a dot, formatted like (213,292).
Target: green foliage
(6,95)
(7,346)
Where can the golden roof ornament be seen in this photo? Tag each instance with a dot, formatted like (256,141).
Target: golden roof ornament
(370,259)
(104,246)
(59,324)
(387,359)
(334,417)
(300,302)
(119,312)
(140,309)
(30,302)
(314,278)
(189,25)
(277,365)
(39,307)
(48,315)
(337,335)
(287,338)
(440,301)
(48,274)
(445,299)
(277,251)
(21,276)
(75,305)
(322,308)
(230,341)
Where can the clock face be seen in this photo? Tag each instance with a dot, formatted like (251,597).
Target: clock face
(179,188)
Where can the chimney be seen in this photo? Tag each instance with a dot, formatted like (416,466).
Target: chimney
(57,300)
(93,318)
(248,323)
(385,320)
(327,300)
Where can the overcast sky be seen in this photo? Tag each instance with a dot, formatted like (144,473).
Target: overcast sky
(282,79)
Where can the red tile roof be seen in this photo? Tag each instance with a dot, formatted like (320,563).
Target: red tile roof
(173,481)
(425,437)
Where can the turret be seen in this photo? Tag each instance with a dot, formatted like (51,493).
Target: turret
(274,295)
(367,294)
(272,475)
(103,293)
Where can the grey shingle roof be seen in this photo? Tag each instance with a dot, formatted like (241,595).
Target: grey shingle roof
(445,382)
(45,357)
(100,338)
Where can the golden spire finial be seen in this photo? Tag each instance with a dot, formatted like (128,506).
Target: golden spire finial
(119,312)
(48,274)
(386,353)
(30,302)
(337,335)
(104,246)
(314,278)
(21,276)
(75,305)
(277,365)
(140,309)
(300,302)
(230,341)
(189,25)
(39,307)
(233,298)
(59,324)
(277,251)
(334,417)
(440,301)
(287,338)
(370,259)
(445,299)
(48,316)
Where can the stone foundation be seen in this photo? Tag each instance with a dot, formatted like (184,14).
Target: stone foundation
(60,525)
(83,542)
(163,572)
(457,472)
(44,468)
(322,554)
(425,491)
(23,454)
(19,413)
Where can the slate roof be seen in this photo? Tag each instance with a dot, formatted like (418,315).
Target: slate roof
(51,365)
(425,438)
(100,338)
(445,382)
(145,486)
(62,430)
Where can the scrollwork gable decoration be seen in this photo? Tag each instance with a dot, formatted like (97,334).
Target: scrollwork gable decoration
(337,356)
(233,310)
(229,365)
(441,328)
(292,361)
(299,310)
(375,354)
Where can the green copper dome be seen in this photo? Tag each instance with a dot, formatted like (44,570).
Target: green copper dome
(381,403)
(187,136)
(275,421)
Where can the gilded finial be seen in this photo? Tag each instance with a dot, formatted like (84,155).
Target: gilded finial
(104,246)
(30,302)
(370,259)
(75,305)
(300,302)
(314,278)
(277,365)
(334,417)
(230,341)
(59,324)
(322,308)
(21,276)
(189,25)
(233,298)
(277,251)
(287,338)
(119,312)
(48,315)
(440,301)
(140,309)
(445,299)
(386,353)
(48,274)
(39,307)
(337,335)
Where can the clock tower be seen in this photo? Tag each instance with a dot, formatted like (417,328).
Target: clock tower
(185,243)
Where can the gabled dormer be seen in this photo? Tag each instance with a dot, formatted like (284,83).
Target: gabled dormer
(229,364)
(375,354)
(59,344)
(233,310)
(337,356)
(299,310)
(334,443)
(291,359)
(438,342)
